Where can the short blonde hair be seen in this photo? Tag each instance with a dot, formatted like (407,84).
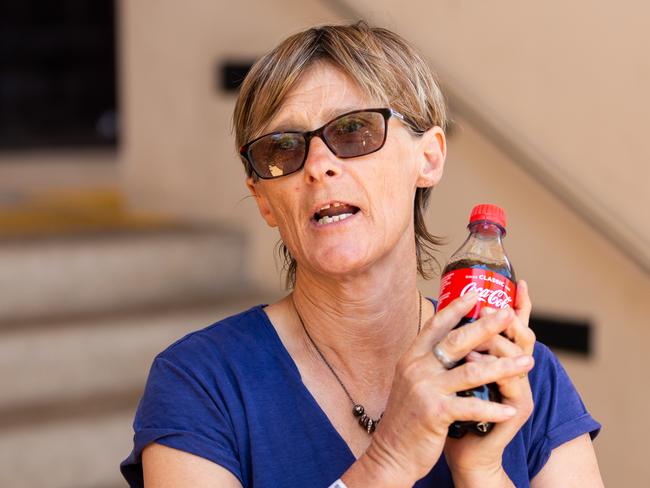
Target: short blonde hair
(384,66)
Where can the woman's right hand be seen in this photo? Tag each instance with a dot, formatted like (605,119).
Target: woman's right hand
(423,402)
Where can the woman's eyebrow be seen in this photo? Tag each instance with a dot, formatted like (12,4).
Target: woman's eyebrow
(288,125)
(333,113)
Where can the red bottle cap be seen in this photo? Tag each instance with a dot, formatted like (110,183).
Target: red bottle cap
(489,212)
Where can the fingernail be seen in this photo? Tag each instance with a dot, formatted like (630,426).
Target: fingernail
(503,314)
(474,355)
(468,297)
(523,360)
(509,411)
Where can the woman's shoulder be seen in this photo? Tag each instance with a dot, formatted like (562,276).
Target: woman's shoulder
(548,376)
(224,341)
(559,414)
(547,365)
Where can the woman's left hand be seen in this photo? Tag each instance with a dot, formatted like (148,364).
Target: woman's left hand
(474,460)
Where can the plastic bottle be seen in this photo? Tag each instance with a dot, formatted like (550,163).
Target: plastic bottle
(480,264)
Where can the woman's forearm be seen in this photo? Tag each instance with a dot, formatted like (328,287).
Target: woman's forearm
(496,479)
(370,471)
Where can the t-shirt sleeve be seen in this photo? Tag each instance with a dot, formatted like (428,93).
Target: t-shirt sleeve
(178,410)
(559,414)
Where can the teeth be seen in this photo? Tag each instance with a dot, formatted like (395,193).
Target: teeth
(335,204)
(335,218)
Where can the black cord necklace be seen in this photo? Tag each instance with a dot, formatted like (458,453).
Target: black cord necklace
(367,423)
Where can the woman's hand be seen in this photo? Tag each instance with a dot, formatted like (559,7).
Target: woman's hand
(423,402)
(475,460)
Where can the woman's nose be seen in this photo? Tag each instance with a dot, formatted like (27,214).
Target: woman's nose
(321,162)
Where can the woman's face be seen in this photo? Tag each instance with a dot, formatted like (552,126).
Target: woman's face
(379,187)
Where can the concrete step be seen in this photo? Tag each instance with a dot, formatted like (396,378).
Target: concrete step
(69,391)
(40,212)
(81,453)
(48,371)
(90,273)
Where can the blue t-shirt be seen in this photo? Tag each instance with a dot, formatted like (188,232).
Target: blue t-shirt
(231,393)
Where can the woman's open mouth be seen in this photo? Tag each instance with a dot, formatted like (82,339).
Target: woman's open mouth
(334,212)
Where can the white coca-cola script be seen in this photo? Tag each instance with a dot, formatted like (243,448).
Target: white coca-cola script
(494,298)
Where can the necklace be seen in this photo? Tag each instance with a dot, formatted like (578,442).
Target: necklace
(367,423)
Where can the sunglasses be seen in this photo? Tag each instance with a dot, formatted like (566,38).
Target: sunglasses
(350,135)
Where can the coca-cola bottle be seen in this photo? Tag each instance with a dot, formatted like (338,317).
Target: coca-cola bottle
(480,264)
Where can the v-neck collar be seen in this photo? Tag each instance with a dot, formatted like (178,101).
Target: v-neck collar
(288,360)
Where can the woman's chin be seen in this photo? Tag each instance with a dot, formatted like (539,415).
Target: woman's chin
(341,263)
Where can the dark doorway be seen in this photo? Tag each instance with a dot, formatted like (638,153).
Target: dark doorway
(57,74)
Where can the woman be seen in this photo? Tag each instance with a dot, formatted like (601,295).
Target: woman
(341,135)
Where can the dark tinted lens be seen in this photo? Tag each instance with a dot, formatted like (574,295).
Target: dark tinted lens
(277,154)
(355,134)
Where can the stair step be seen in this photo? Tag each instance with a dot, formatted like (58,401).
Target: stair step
(92,273)
(70,390)
(42,212)
(81,453)
(49,372)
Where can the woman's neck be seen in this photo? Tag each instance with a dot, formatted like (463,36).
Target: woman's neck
(361,324)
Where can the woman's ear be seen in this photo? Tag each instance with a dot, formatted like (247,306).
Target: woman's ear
(433,150)
(262,202)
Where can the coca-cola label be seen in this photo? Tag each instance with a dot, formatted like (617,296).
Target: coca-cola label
(494,290)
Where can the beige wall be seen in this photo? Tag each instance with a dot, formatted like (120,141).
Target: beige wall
(566,80)
(178,149)
(178,157)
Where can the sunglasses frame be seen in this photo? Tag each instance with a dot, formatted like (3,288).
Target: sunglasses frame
(244,150)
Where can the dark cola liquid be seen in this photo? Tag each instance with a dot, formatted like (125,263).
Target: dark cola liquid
(501,268)
(486,392)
